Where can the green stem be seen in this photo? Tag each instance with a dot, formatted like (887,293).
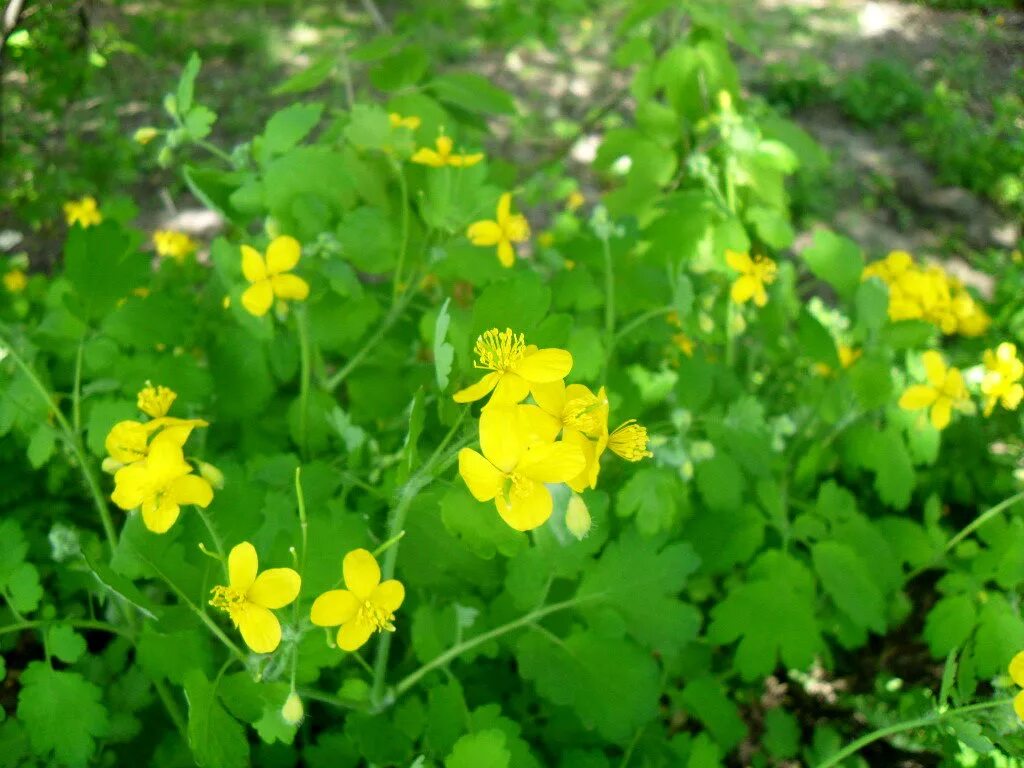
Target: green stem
(404,191)
(304,376)
(730,338)
(388,544)
(172,708)
(76,394)
(73,441)
(920,722)
(640,320)
(213,149)
(217,542)
(371,343)
(459,648)
(86,624)
(609,305)
(970,528)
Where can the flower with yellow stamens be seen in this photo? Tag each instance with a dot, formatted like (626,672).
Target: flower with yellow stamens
(443,155)
(514,367)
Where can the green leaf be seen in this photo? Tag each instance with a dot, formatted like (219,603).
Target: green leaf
(836,260)
(611,684)
(103,267)
(287,127)
(772,226)
(648,496)
(781,733)
(120,586)
(64,643)
(307,79)
(707,701)
(640,583)
(369,240)
(199,121)
(24,588)
(483,749)
(471,92)
(478,525)
(216,738)
(62,712)
(999,637)
(186,84)
(41,445)
(846,578)
(369,127)
(401,69)
(172,654)
(444,353)
(720,482)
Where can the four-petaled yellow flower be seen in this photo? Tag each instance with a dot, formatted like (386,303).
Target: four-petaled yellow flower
(1002,381)
(506,229)
(159,484)
(1017,675)
(443,156)
(174,245)
(15,281)
(581,417)
(755,274)
(156,401)
(271,277)
(944,391)
(84,212)
(412,122)
(250,598)
(367,606)
(514,367)
(515,466)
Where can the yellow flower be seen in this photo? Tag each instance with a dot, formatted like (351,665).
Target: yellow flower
(368,605)
(755,274)
(683,343)
(443,155)
(580,416)
(15,281)
(514,467)
(145,135)
(1017,675)
(546,239)
(175,245)
(629,441)
(514,367)
(249,598)
(270,278)
(575,200)
(508,228)
(577,517)
(83,212)
(944,391)
(397,121)
(847,357)
(159,484)
(129,441)
(1001,383)
(156,401)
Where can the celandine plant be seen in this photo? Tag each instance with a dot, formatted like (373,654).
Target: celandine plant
(343,487)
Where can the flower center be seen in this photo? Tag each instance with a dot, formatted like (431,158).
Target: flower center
(372,614)
(499,351)
(582,413)
(228,599)
(629,441)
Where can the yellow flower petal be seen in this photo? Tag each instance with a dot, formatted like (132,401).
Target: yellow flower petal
(190,489)
(127,442)
(259,627)
(258,298)
(333,608)
(537,425)
(941,413)
(389,595)
(934,367)
(550,396)
(290,287)
(544,365)
(741,262)
(353,635)
(362,574)
(282,254)
(1016,669)
(482,478)
(743,289)
(504,209)
(275,588)
(506,253)
(552,462)
(242,566)
(130,486)
(426,156)
(476,391)
(465,161)
(1018,705)
(501,438)
(512,388)
(517,228)
(528,506)
(917,397)
(484,233)
(253,266)
(159,515)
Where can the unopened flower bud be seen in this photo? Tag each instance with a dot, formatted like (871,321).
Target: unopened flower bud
(110,465)
(577,517)
(145,135)
(292,712)
(211,474)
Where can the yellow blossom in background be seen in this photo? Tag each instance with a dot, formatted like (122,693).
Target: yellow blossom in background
(546,239)
(250,597)
(847,357)
(159,484)
(174,245)
(442,156)
(145,135)
(271,277)
(507,228)
(684,344)
(514,367)
(84,212)
(514,467)
(156,401)
(367,605)
(629,441)
(1002,380)
(575,200)
(412,122)
(754,274)
(944,391)
(1016,671)
(15,281)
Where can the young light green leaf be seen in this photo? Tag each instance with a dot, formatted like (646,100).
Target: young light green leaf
(64,643)
(444,353)
(62,712)
(483,749)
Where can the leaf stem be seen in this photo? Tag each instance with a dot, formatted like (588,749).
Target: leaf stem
(389,320)
(86,624)
(930,719)
(609,302)
(217,542)
(404,192)
(76,393)
(305,370)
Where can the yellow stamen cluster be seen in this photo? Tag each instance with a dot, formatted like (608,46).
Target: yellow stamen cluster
(375,616)
(582,414)
(156,401)
(629,441)
(499,351)
(227,599)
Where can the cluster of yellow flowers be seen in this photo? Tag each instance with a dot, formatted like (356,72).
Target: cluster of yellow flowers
(84,212)
(928,293)
(148,463)
(520,449)
(15,280)
(946,391)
